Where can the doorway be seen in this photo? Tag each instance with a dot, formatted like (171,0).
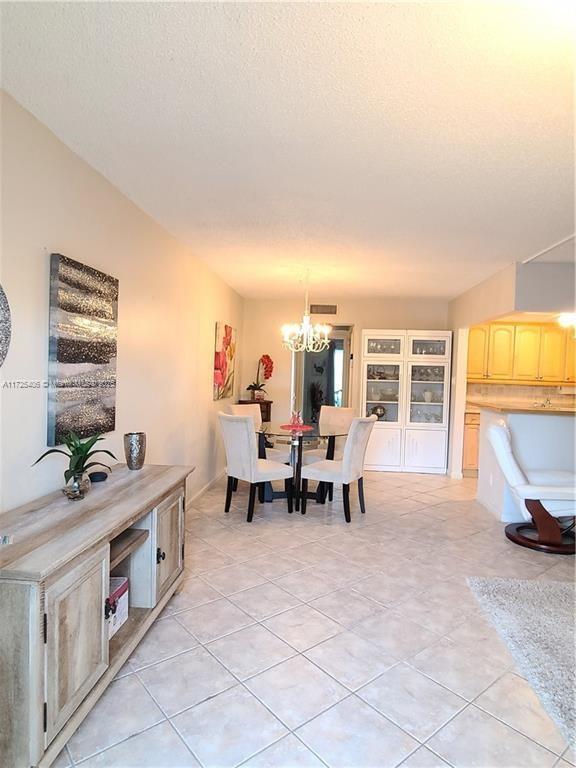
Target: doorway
(323,378)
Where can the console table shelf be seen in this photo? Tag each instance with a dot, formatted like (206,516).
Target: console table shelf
(124,544)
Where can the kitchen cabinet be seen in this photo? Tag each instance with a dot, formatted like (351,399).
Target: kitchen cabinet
(522,353)
(407,385)
(471,442)
(552,353)
(501,352)
(478,338)
(570,363)
(527,352)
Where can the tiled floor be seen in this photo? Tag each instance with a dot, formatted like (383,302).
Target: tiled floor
(299,642)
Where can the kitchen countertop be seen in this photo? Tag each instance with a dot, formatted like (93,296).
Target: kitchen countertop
(518,406)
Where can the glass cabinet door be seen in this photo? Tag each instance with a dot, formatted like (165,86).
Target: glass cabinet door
(388,346)
(428,347)
(427,391)
(382,390)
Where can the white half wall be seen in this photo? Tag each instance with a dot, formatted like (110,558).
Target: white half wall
(169,302)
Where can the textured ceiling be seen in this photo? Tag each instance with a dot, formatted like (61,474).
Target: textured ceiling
(396,148)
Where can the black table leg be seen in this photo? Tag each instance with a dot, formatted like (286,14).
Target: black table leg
(329,487)
(298,474)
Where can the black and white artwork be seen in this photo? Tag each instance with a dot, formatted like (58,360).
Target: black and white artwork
(5,326)
(82,357)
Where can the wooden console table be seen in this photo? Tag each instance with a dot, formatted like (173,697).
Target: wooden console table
(265,407)
(55,656)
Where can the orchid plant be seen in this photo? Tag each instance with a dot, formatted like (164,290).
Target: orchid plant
(266,366)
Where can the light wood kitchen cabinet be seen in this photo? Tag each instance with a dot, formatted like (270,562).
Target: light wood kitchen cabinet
(478,338)
(76,637)
(570,363)
(527,352)
(501,352)
(471,441)
(523,353)
(552,353)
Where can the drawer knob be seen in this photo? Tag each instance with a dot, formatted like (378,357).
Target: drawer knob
(160,555)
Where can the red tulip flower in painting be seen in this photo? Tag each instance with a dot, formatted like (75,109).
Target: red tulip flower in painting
(224,361)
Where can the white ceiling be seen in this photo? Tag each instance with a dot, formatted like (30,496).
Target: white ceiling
(397,148)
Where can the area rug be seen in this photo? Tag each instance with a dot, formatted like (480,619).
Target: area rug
(536,621)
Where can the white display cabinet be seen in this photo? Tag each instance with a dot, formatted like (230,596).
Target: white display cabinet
(379,344)
(406,384)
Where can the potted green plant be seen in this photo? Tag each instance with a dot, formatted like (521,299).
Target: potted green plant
(266,365)
(79,454)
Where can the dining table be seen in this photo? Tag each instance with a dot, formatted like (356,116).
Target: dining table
(298,437)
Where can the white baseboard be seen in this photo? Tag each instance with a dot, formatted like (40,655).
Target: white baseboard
(190,500)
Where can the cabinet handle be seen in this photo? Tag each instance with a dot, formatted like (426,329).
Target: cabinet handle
(160,555)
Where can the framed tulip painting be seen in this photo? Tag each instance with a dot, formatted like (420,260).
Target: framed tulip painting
(224,361)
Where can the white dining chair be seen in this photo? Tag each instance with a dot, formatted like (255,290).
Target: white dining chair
(345,471)
(242,462)
(253,409)
(332,419)
(542,497)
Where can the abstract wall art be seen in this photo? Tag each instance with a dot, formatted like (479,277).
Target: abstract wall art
(224,361)
(82,350)
(5,326)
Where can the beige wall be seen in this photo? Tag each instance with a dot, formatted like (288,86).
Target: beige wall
(264,318)
(169,303)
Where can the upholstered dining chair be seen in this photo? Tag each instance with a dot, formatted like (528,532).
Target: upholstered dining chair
(545,499)
(331,419)
(242,462)
(253,409)
(349,469)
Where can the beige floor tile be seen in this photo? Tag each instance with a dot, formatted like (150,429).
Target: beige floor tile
(228,729)
(157,747)
(250,651)
(206,560)
(395,635)
(346,606)
(424,758)
(411,700)
(296,691)
(125,709)
(474,739)
(458,667)
(276,565)
(570,755)
(350,659)
(353,734)
(233,579)
(390,590)
(193,592)
(213,620)
(512,700)
(309,554)
(164,639)
(302,627)
(305,585)
(478,632)
(264,601)
(186,680)
(289,752)
(62,761)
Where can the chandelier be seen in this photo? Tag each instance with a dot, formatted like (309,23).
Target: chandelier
(305,337)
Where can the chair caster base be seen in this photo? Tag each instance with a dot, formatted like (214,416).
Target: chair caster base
(526,535)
